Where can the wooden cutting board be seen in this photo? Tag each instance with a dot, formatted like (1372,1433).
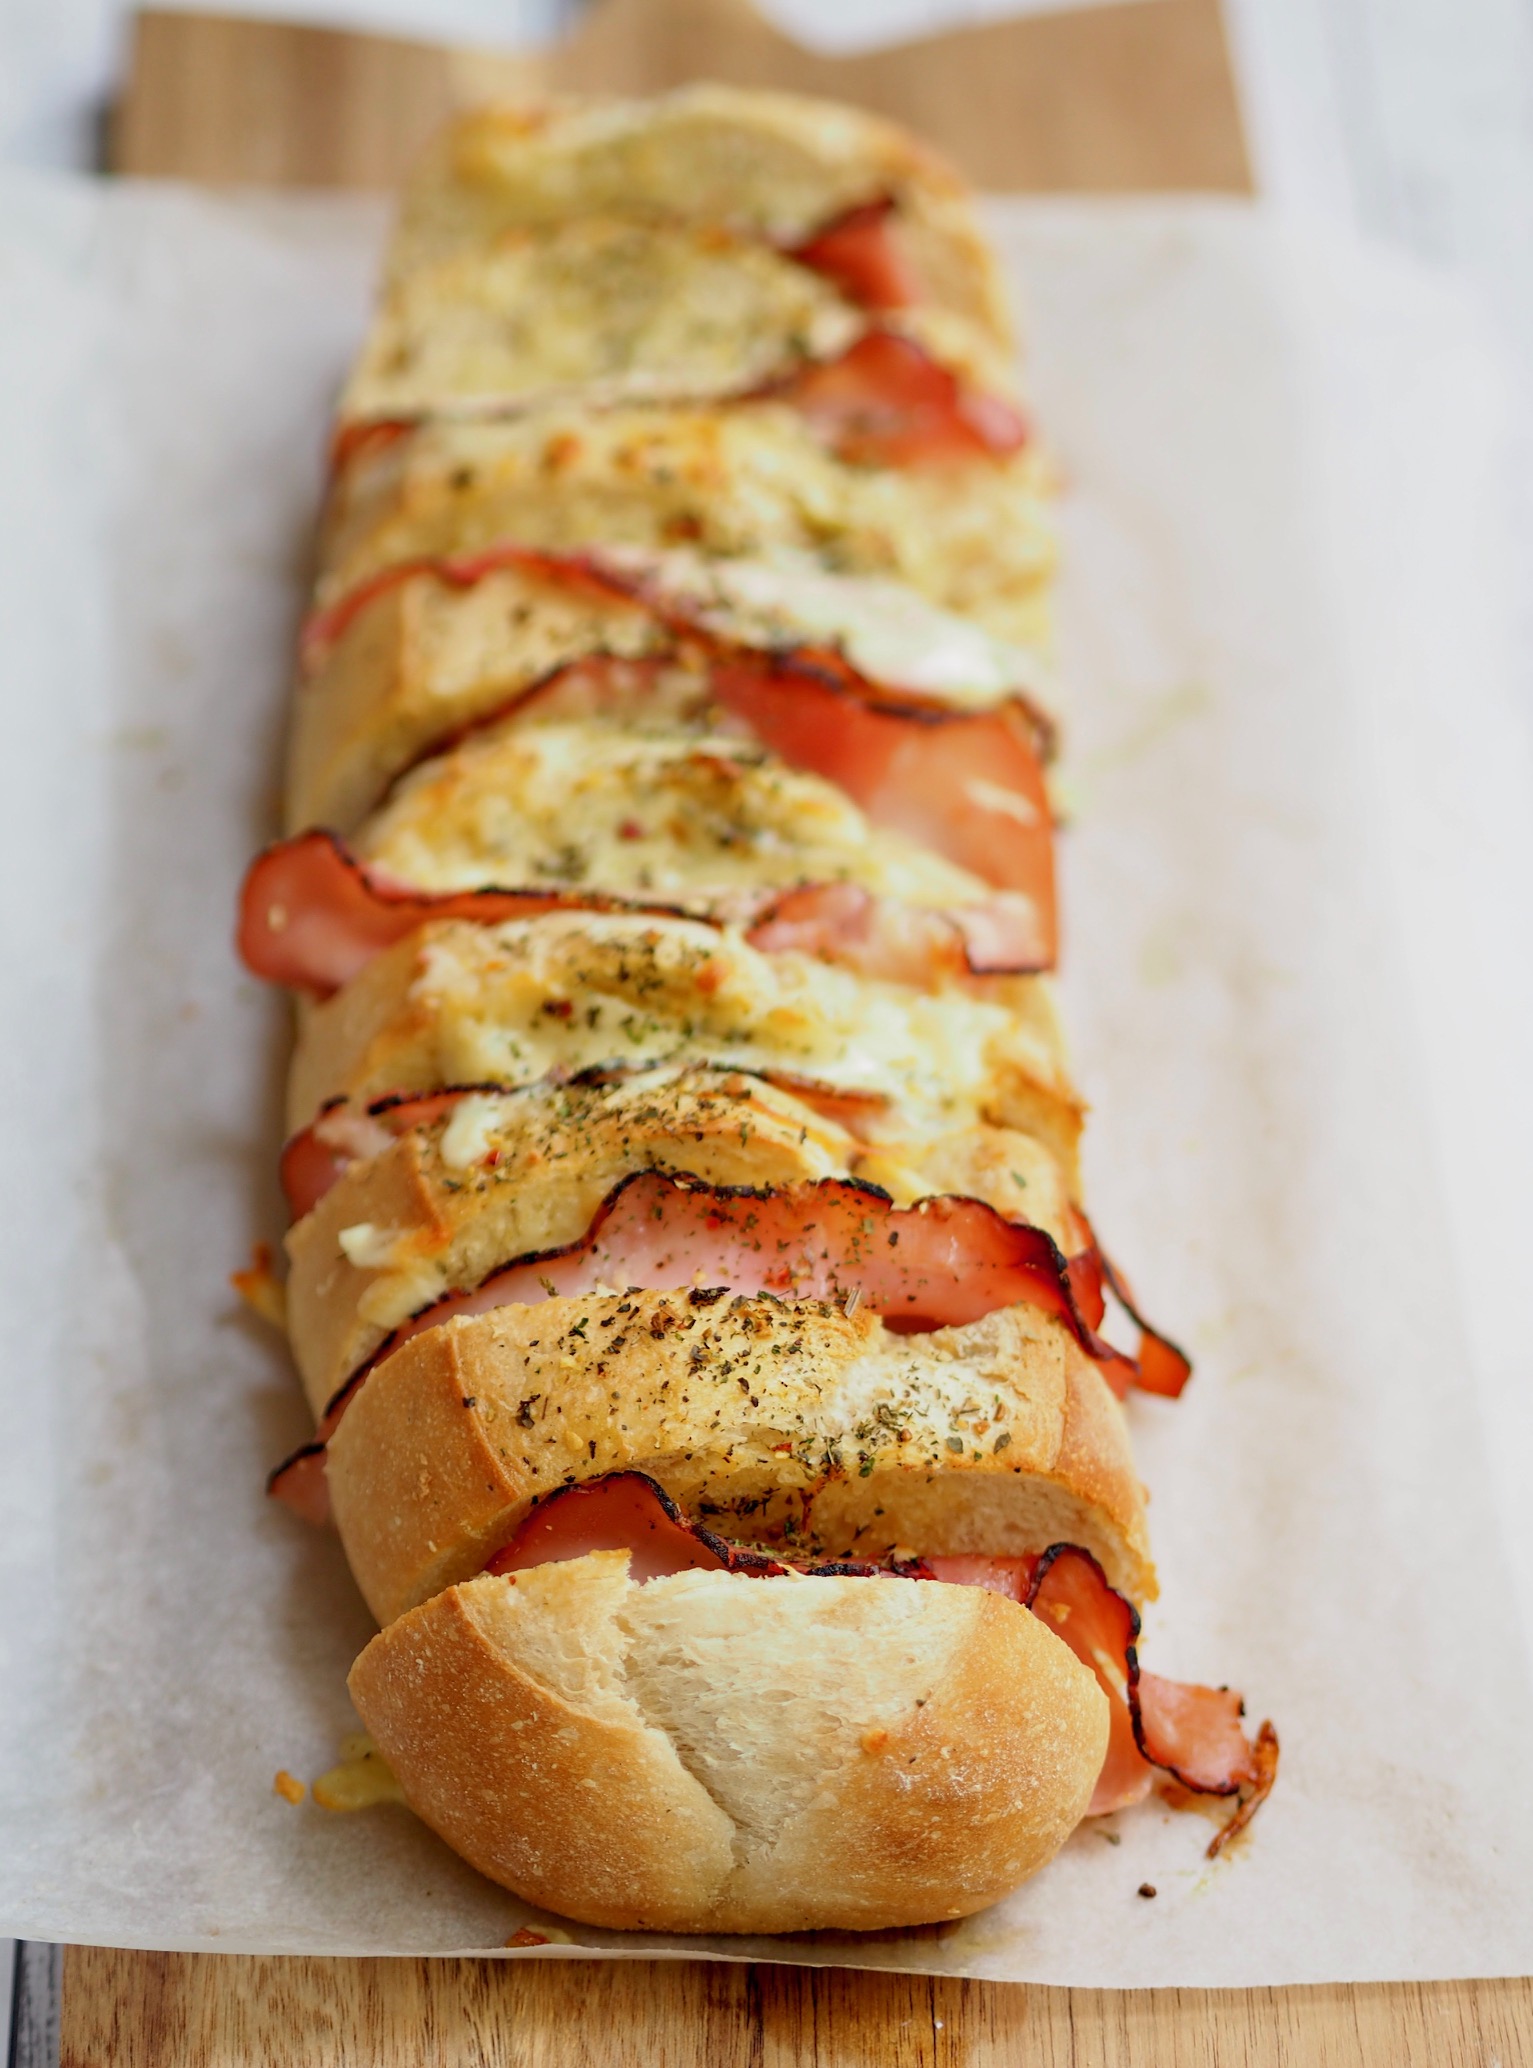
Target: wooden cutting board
(1107,99)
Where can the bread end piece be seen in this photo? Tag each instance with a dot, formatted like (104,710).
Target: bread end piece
(715,1753)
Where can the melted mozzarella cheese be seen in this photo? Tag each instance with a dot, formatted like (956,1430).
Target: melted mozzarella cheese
(886,630)
(682,816)
(599,306)
(573,991)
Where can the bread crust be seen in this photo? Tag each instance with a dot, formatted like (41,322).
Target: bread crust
(547,1729)
(753,480)
(512,1174)
(459,1003)
(789,1425)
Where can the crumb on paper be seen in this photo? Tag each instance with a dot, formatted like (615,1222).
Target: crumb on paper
(1147,1888)
(288,1786)
(524,1935)
(361,1780)
(260,1288)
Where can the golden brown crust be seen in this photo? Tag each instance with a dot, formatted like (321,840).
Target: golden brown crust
(612,1752)
(706,1752)
(789,1425)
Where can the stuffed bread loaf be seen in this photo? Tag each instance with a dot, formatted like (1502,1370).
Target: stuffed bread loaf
(688,1271)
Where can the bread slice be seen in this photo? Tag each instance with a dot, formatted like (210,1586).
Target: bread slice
(606,309)
(752,480)
(788,1424)
(396,672)
(715,1753)
(510,1174)
(459,1003)
(774,166)
(647,808)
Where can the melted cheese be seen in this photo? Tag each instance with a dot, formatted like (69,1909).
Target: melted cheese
(362,1780)
(569,992)
(887,631)
(599,306)
(736,482)
(678,815)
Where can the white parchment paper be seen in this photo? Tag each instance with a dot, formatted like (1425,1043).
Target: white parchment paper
(1296,898)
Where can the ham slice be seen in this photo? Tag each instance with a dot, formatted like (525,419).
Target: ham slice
(946,1261)
(1161,1366)
(967,785)
(1193,1734)
(314,1158)
(623,1511)
(905,944)
(312,916)
(939,1264)
(322,628)
(886,402)
(860,254)
(883,402)
(299,1482)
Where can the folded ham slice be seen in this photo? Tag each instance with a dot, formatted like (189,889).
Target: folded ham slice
(939,1264)
(1193,1734)
(905,944)
(314,1158)
(312,916)
(942,1263)
(861,254)
(883,402)
(886,402)
(968,785)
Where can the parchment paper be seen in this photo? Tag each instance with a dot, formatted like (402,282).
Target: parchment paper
(1296,899)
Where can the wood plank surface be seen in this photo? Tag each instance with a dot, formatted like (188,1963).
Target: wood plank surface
(1111,99)
(177,2010)
(1107,99)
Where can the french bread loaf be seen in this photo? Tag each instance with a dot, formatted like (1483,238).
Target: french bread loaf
(687,551)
